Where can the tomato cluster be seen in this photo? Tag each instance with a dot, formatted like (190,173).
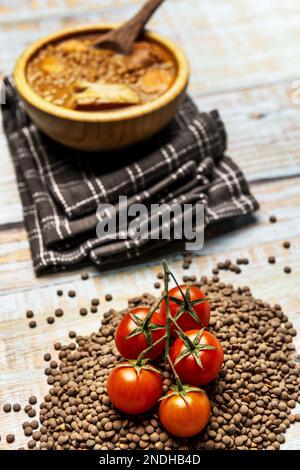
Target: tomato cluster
(194,354)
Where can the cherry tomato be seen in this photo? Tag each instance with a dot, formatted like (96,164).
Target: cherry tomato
(185,415)
(134,390)
(189,366)
(134,323)
(186,321)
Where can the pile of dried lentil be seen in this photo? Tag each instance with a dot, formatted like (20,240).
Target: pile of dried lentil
(252,400)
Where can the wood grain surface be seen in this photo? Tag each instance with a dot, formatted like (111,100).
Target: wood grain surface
(244,56)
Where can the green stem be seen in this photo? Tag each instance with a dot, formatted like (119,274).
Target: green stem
(151,312)
(168,325)
(177,378)
(180,290)
(187,304)
(145,352)
(169,321)
(187,339)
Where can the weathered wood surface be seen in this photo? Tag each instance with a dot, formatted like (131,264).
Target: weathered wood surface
(244,58)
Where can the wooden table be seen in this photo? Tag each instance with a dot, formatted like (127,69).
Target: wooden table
(245,58)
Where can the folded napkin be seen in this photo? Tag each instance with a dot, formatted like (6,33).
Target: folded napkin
(61,188)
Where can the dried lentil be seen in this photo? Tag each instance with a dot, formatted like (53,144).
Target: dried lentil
(257,387)
(58,312)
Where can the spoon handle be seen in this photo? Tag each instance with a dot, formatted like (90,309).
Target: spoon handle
(129,31)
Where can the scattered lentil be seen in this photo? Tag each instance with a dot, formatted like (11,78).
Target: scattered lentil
(31,444)
(36,435)
(31,413)
(32,400)
(83,312)
(28,431)
(58,312)
(10,438)
(228,265)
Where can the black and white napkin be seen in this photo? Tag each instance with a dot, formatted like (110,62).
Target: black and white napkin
(61,188)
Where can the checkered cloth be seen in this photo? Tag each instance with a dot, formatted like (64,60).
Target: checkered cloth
(61,188)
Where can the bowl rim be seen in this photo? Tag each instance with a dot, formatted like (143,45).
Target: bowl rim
(32,98)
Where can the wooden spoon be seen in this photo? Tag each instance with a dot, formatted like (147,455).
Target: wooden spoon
(121,39)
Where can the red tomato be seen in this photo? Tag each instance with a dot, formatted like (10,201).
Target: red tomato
(188,368)
(134,391)
(185,416)
(132,347)
(186,321)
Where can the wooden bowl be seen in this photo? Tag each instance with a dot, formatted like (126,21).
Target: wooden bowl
(107,130)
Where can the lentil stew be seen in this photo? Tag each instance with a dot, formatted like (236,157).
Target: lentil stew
(73,74)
